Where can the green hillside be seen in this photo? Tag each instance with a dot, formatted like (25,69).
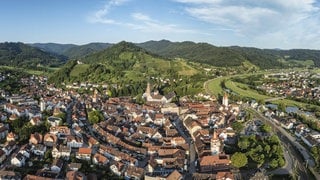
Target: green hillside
(53,47)
(84,50)
(199,52)
(71,51)
(22,55)
(126,64)
(234,55)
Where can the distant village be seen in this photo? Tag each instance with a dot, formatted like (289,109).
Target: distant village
(153,141)
(298,85)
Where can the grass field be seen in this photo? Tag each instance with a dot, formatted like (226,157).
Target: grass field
(244,90)
(31,71)
(214,86)
(79,68)
(184,69)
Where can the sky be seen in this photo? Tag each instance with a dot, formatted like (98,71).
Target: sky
(284,24)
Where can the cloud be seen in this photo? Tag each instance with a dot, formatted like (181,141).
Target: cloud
(258,19)
(148,24)
(142,22)
(141,16)
(100,16)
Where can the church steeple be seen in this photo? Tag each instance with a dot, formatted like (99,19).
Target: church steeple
(215,136)
(215,144)
(225,100)
(148,90)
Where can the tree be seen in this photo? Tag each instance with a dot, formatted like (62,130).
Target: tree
(281,162)
(267,149)
(237,126)
(243,143)
(95,117)
(265,128)
(273,139)
(261,101)
(48,156)
(282,107)
(315,151)
(273,163)
(249,116)
(239,159)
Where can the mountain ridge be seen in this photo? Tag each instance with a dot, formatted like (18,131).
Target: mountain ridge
(195,52)
(23,55)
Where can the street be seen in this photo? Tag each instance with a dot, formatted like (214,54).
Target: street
(192,152)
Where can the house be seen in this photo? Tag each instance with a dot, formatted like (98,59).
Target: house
(287,124)
(171,132)
(61,131)
(74,141)
(170,108)
(176,141)
(2,156)
(26,150)
(84,154)
(269,114)
(225,175)
(175,175)
(74,166)
(133,172)
(93,142)
(309,140)
(156,135)
(3,131)
(9,147)
(300,129)
(9,175)
(11,137)
(54,121)
(76,129)
(117,168)
(36,138)
(50,139)
(18,160)
(61,151)
(315,134)
(159,119)
(76,175)
(36,121)
(39,149)
(56,165)
(99,159)
(213,163)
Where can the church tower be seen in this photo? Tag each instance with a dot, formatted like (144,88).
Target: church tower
(148,90)
(42,105)
(215,144)
(225,100)
(95,93)
(147,94)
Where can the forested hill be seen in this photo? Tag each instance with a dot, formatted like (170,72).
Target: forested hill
(123,63)
(72,51)
(22,55)
(230,56)
(199,52)
(53,47)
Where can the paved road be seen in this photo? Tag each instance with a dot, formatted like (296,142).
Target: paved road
(205,86)
(275,99)
(192,152)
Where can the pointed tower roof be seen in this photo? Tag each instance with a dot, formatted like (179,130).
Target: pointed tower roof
(148,90)
(215,135)
(225,95)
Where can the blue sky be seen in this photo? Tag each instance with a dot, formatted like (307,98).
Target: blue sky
(283,24)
